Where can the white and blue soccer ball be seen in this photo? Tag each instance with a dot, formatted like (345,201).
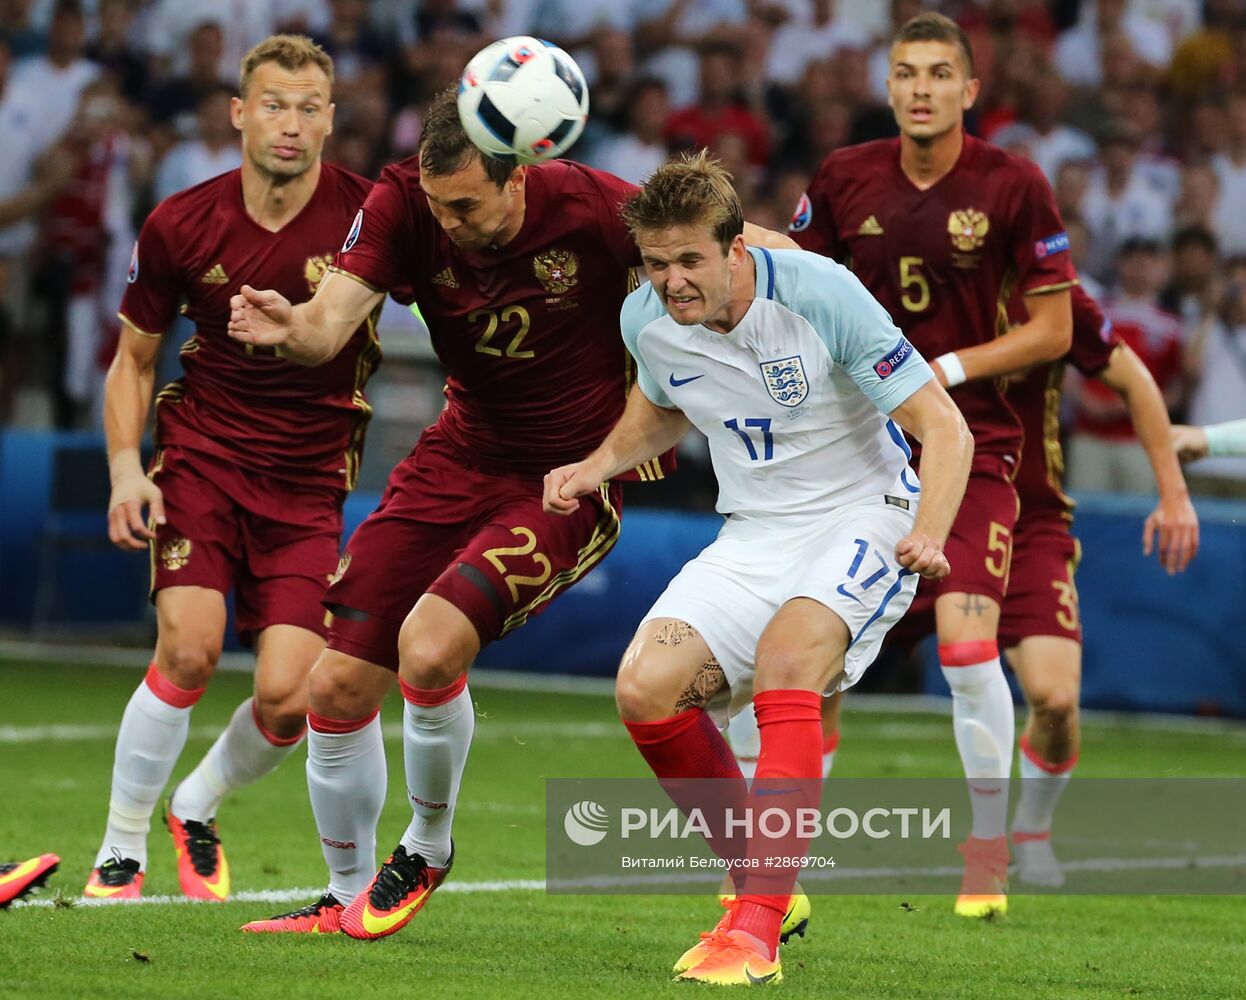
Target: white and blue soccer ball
(523,99)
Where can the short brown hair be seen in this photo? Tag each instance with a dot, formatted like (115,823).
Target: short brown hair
(934,27)
(290,52)
(445,148)
(696,190)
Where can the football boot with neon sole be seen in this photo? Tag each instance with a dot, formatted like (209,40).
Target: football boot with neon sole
(397,893)
(795,923)
(324,916)
(20,877)
(984,886)
(202,870)
(117,879)
(732,958)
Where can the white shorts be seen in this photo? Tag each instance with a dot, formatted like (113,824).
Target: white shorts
(844,560)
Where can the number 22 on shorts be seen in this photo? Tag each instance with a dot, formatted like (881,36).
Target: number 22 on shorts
(514,580)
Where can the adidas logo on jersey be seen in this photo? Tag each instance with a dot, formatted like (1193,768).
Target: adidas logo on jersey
(446,278)
(870,227)
(216,276)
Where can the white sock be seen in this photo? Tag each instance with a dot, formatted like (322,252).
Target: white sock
(1040,791)
(435,741)
(983,720)
(347,779)
(829,746)
(745,740)
(243,753)
(149,741)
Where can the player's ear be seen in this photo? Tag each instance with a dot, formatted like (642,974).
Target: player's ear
(332,109)
(518,179)
(971,93)
(235,112)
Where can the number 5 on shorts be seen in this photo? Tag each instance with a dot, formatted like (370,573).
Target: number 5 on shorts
(998,550)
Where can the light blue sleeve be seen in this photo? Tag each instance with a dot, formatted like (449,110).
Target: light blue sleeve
(640,309)
(857,331)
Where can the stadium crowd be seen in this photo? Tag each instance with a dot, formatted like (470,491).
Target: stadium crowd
(1134,109)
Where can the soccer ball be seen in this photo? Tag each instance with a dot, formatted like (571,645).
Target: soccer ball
(523,99)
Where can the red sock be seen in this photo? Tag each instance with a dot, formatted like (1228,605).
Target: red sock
(682,751)
(790,723)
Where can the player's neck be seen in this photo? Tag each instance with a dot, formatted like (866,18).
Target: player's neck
(926,163)
(272,203)
(743,291)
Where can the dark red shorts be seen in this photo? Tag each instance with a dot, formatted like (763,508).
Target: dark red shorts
(1042,597)
(273,541)
(479,540)
(979,547)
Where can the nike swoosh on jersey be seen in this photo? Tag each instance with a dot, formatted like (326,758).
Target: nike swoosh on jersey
(378,925)
(677,382)
(851,597)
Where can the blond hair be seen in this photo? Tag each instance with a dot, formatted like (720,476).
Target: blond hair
(695,190)
(290,52)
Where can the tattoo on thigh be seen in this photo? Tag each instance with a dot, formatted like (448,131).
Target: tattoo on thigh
(707,682)
(974,605)
(673,633)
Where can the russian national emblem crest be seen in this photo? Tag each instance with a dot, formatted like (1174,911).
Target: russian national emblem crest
(968,228)
(175,554)
(314,269)
(556,270)
(785,380)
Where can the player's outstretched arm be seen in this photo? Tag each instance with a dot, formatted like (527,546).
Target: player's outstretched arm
(127,398)
(1045,336)
(310,333)
(644,430)
(1173,519)
(947,450)
(759,236)
(1215,440)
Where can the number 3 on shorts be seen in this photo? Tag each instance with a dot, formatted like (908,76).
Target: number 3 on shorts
(998,550)
(513,580)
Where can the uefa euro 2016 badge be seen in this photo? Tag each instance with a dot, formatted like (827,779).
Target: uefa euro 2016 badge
(785,380)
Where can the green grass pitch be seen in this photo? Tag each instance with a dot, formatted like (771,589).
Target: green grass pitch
(523,943)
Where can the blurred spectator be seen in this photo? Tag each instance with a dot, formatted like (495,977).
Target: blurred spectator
(641,149)
(444,30)
(813,32)
(214,149)
(576,24)
(116,53)
(613,69)
(53,82)
(1230,166)
(170,24)
(1194,288)
(1198,198)
(673,30)
(357,48)
(1079,53)
(1220,392)
(1053,142)
(90,217)
(175,101)
(1120,202)
(1104,453)
(719,112)
(24,38)
(1204,58)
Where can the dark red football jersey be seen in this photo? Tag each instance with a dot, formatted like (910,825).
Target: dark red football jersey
(529,333)
(1036,400)
(243,403)
(944,261)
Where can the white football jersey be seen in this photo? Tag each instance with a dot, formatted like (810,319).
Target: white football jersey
(794,399)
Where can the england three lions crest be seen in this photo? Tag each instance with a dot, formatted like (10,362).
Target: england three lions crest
(786,380)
